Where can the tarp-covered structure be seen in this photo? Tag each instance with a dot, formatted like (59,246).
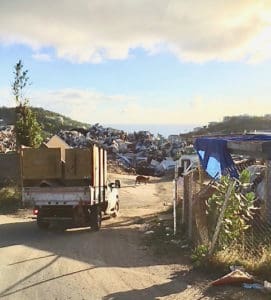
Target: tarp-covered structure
(215,152)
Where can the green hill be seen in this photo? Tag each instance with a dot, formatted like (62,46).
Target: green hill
(235,125)
(51,122)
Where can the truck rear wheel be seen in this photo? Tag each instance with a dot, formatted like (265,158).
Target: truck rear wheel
(42,224)
(95,218)
(116,210)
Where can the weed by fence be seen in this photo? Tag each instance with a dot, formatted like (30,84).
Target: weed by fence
(226,222)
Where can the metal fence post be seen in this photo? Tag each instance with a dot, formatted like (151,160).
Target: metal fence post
(184,198)
(190,205)
(174,206)
(220,218)
(268,192)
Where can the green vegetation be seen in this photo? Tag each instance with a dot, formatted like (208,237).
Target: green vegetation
(238,212)
(161,239)
(27,129)
(51,122)
(259,265)
(243,238)
(199,255)
(10,199)
(234,125)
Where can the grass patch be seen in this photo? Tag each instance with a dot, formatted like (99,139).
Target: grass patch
(161,239)
(10,199)
(259,264)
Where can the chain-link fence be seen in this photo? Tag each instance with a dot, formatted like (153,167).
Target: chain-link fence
(229,218)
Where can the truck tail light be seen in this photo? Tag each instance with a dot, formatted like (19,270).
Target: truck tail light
(35,211)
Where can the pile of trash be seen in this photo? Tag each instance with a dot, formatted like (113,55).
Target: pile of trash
(238,276)
(7,139)
(139,152)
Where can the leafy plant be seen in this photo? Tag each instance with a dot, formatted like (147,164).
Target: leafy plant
(199,254)
(28,130)
(239,210)
(9,198)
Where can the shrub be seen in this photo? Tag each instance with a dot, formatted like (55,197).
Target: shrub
(10,199)
(238,213)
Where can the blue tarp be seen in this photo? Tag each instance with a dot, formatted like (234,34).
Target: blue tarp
(215,157)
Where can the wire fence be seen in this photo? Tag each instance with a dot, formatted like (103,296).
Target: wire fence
(230,220)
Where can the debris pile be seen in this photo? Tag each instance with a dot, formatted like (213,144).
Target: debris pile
(238,276)
(7,139)
(139,152)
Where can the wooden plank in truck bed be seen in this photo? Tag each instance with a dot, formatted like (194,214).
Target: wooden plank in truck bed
(78,164)
(41,164)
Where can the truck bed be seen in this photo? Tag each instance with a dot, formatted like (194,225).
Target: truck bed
(71,195)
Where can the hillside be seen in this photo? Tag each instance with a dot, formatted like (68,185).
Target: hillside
(234,125)
(51,122)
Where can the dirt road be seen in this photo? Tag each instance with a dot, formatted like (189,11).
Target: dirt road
(81,264)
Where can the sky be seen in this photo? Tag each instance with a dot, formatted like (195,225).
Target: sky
(165,62)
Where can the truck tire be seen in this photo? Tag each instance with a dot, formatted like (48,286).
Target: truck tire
(116,210)
(42,224)
(95,218)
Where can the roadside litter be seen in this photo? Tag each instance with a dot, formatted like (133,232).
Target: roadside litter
(256,286)
(238,276)
(149,232)
(234,277)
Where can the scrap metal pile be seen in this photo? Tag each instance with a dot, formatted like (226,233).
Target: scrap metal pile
(7,139)
(138,152)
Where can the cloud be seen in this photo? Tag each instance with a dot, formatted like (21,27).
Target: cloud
(92,107)
(206,109)
(80,104)
(6,97)
(94,30)
(42,56)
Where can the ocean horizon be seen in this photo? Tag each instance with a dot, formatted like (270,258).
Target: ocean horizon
(163,129)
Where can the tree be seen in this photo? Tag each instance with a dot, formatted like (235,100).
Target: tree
(27,129)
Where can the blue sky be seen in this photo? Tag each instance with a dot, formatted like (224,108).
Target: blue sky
(141,62)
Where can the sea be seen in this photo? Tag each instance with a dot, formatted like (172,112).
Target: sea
(163,129)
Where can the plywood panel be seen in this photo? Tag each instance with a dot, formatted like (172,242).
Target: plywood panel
(56,142)
(96,165)
(78,164)
(101,167)
(41,163)
(105,167)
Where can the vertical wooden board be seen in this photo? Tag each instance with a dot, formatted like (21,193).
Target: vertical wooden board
(96,165)
(105,167)
(91,167)
(78,164)
(69,169)
(101,167)
(97,170)
(41,163)
(104,171)
(56,142)
(101,179)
